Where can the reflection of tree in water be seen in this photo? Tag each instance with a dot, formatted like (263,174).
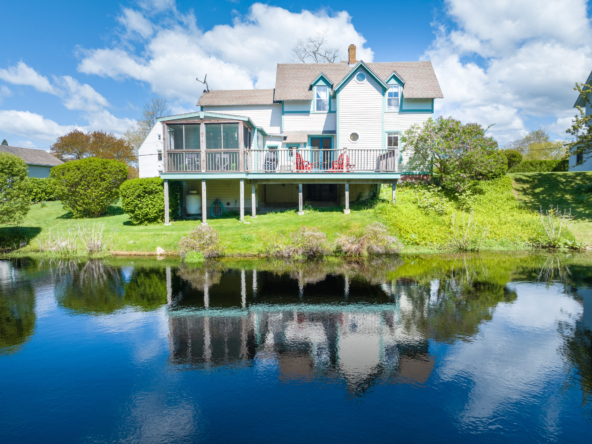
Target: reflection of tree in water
(452,301)
(17,315)
(577,351)
(205,276)
(96,287)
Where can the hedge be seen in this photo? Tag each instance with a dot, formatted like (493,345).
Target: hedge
(514,157)
(42,189)
(88,187)
(143,199)
(540,166)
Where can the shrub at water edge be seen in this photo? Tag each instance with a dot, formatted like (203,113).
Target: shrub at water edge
(374,241)
(202,239)
(15,198)
(88,187)
(42,189)
(143,199)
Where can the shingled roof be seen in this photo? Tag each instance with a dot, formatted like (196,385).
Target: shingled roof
(236,97)
(293,80)
(32,156)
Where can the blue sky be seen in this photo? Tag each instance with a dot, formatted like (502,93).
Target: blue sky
(92,65)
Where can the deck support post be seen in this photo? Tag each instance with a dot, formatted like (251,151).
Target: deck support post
(166,202)
(253,201)
(204,204)
(394,186)
(346,211)
(300,201)
(169,283)
(242,200)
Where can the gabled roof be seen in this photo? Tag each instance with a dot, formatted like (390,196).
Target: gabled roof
(32,156)
(580,101)
(208,114)
(396,75)
(321,76)
(236,97)
(293,79)
(367,69)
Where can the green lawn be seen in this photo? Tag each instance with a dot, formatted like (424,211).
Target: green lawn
(238,238)
(536,190)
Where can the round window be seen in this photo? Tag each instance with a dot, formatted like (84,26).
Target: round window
(354,137)
(360,77)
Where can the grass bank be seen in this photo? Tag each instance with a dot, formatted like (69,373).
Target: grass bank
(422,220)
(569,191)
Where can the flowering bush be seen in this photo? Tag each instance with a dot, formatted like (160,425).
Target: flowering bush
(460,153)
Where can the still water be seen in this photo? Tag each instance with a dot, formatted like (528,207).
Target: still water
(423,349)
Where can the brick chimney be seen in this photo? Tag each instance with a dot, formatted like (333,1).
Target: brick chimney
(352,54)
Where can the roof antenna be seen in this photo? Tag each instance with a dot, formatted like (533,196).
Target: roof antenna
(205,82)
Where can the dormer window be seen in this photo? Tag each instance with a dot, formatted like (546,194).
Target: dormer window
(322,98)
(392,103)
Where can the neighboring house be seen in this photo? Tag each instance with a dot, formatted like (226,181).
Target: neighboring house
(579,162)
(327,132)
(39,162)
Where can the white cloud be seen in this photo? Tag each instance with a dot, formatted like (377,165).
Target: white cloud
(31,125)
(238,56)
(529,54)
(83,97)
(5,91)
(135,22)
(21,74)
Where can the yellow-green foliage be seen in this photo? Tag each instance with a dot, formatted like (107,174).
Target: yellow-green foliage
(423,215)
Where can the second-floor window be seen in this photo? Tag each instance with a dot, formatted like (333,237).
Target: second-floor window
(183,137)
(322,98)
(392,141)
(222,135)
(392,103)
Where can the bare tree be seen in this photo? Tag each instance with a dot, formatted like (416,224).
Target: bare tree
(153,110)
(316,49)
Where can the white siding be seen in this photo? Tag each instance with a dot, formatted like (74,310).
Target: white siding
(402,121)
(312,122)
(361,112)
(148,160)
(421,104)
(227,190)
(298,105)
(269,117)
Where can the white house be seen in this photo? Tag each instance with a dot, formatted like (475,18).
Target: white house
(579,162)
(39,162)
(325,133)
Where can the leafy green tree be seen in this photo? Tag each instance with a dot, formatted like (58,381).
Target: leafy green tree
(581,128)
(88,187)
(4,142)
(537,145)
(460,153)
(15,198)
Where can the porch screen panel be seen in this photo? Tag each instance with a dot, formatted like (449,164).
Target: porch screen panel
(213,136)
(192,137)
(230,136)
(176,137)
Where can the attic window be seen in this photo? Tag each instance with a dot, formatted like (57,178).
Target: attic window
(360,77)
(354,137)
(393,98)
(322,98)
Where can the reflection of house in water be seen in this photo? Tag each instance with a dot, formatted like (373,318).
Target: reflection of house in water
(336,328)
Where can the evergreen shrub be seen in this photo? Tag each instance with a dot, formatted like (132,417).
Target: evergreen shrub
(514,157)
(540,166)
(15,198)
(42,190)
(143,199)
(88,187)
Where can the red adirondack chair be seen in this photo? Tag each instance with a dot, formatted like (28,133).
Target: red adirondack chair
(337,166)
(302,166)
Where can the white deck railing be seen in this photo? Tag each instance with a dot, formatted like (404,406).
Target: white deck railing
(303,160)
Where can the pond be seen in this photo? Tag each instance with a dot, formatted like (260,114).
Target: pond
(423,349)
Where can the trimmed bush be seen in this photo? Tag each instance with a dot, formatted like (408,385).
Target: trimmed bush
(15,199)
(143,199)
(540,166)
(88,187)
(42,190)
(514,157)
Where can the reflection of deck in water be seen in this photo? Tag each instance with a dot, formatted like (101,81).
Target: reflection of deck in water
(335,328)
